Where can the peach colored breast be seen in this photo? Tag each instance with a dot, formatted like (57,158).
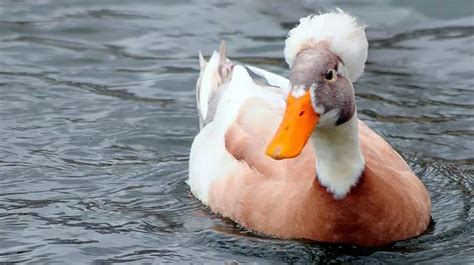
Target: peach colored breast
(284,199)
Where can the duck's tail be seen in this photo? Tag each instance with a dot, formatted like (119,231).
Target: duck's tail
(214,74)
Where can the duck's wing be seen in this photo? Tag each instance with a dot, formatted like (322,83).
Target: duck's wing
(209,157)
(216,75)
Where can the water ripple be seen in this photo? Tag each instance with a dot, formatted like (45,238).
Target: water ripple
(97,116)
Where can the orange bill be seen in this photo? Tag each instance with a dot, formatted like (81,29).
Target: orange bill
(295,129)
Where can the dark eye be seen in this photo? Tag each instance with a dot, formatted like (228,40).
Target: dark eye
(330,75)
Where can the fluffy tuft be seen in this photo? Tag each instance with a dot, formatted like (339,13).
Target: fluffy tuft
(346,39)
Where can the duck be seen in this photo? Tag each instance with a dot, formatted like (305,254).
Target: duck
(289,158)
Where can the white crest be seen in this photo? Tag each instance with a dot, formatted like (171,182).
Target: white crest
(345,36)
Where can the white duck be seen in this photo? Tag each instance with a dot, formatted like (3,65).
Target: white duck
(312,171)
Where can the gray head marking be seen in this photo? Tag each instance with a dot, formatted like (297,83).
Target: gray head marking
(317,68)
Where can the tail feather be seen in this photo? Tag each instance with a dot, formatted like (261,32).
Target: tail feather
(213,75)
(225,65)
(202,61)
(222,53)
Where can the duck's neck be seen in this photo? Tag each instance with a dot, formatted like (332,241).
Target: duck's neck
(339,160)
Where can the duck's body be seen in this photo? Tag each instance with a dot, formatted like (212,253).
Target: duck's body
(357,191)
(284,199)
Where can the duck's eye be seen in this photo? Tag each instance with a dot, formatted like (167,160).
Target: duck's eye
(330,75)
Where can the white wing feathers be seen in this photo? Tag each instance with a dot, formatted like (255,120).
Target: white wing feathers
(219,73)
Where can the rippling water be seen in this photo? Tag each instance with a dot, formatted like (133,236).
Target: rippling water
(97,115)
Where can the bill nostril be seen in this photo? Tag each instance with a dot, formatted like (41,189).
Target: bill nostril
(301,113)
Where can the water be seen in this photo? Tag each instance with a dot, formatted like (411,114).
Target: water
(97,116)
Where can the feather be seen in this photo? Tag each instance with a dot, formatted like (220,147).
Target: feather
(345,36)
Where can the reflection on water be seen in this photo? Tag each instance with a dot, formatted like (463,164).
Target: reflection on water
(97,117)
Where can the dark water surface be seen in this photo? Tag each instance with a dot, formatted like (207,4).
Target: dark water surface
(97,116)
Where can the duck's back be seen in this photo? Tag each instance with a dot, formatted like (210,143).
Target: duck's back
(284,199)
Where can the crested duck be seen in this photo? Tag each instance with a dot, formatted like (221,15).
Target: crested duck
(289,158)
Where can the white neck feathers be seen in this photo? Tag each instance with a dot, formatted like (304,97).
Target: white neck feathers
(339,160)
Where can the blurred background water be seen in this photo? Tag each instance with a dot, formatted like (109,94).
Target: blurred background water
(97,116)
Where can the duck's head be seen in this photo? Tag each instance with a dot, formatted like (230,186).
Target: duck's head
(326,54)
